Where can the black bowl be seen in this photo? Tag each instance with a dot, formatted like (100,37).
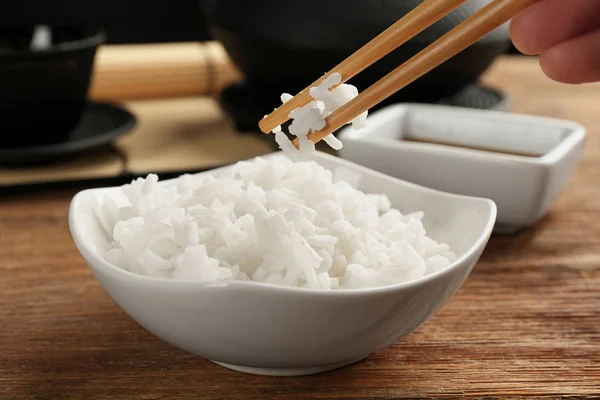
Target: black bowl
(44,88)
(282,46)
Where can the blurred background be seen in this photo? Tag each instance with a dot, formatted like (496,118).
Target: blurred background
(127,21)
(125,87)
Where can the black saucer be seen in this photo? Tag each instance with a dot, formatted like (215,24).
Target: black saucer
(99,125)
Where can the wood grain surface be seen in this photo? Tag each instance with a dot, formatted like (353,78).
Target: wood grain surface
(525,324)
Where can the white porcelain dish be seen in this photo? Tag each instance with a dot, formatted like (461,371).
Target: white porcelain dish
(398,142)
(272,330)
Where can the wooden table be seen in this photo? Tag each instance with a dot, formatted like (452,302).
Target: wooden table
(526,323)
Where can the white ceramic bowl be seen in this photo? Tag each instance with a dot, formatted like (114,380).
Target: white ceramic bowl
(265,329)
(523,187)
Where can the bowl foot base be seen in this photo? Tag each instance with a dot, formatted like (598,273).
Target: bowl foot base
(287,371)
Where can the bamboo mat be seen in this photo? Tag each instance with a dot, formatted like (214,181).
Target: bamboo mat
(129,72)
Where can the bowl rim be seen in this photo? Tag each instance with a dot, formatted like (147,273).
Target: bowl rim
(99,263)
(92,38)
(575,134)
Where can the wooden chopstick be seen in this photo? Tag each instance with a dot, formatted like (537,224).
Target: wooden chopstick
(423,16)
(462,36)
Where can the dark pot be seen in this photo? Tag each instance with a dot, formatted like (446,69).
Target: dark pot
(282,46)
(43,88)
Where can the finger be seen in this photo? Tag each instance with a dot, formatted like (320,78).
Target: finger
(574,61)
(549,22)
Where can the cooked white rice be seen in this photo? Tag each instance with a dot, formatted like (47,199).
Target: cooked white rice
(311,117)
(268,220)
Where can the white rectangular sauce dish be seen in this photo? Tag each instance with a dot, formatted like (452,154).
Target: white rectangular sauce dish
(520,162)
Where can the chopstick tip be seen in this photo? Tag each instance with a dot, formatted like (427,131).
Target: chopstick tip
(264,125)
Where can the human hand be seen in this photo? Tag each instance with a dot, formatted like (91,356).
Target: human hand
(565,34)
